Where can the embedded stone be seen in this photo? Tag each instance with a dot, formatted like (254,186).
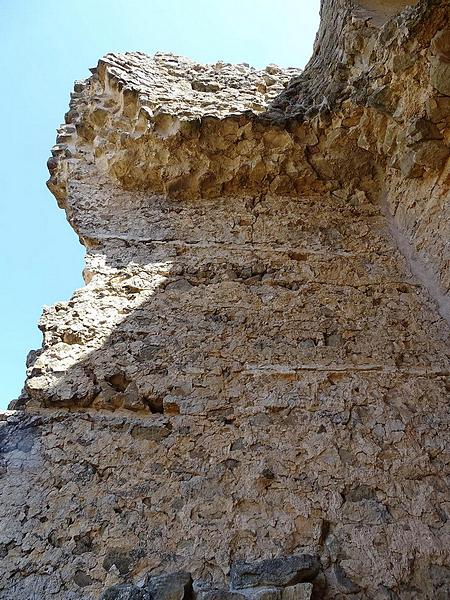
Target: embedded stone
(301,591)
(122,559)
(174,586)
(264,593)
(125,591)
(153,433)
(282,571)
(440,75)
(219,595)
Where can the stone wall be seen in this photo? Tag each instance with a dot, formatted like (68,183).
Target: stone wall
(257,366)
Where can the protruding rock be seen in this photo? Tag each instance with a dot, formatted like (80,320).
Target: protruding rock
(440,61)
(125,591)
(301,591)
(278,572)
(175,586)
(264,593)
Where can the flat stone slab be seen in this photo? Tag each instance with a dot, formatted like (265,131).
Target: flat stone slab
(276,572)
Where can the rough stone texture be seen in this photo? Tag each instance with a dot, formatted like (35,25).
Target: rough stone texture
(387,88)
(220,595)
(175,586)
(300,591)
(258,363)
(277,572)
(125,591)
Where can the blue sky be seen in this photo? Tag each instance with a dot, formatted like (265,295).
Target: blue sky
(44,47)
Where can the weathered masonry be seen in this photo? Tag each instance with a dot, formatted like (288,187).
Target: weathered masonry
(249,397)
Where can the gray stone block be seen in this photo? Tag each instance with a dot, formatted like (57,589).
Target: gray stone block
(175,586)
(125,591)
(277,572)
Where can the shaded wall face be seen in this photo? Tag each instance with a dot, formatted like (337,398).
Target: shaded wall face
(303,284)
(386,7)
(258,377)
(380,11)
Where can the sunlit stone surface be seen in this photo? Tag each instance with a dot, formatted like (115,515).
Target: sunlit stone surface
(258,365)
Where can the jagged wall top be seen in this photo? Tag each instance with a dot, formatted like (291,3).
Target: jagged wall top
(162,122)
(166,83)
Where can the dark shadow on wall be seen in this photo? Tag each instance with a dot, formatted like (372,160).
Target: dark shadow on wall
(265,396)
(236,289)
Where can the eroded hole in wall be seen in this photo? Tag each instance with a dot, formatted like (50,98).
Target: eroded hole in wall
(118,381)
(154,404)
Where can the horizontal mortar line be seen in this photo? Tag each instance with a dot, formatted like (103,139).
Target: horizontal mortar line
(246,245)
(368,284)
(292,370)
(266,247)
(220,244)
(276,285)
(250,246)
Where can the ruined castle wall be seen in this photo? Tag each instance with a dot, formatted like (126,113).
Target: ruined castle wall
(278,382)
(257,365)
